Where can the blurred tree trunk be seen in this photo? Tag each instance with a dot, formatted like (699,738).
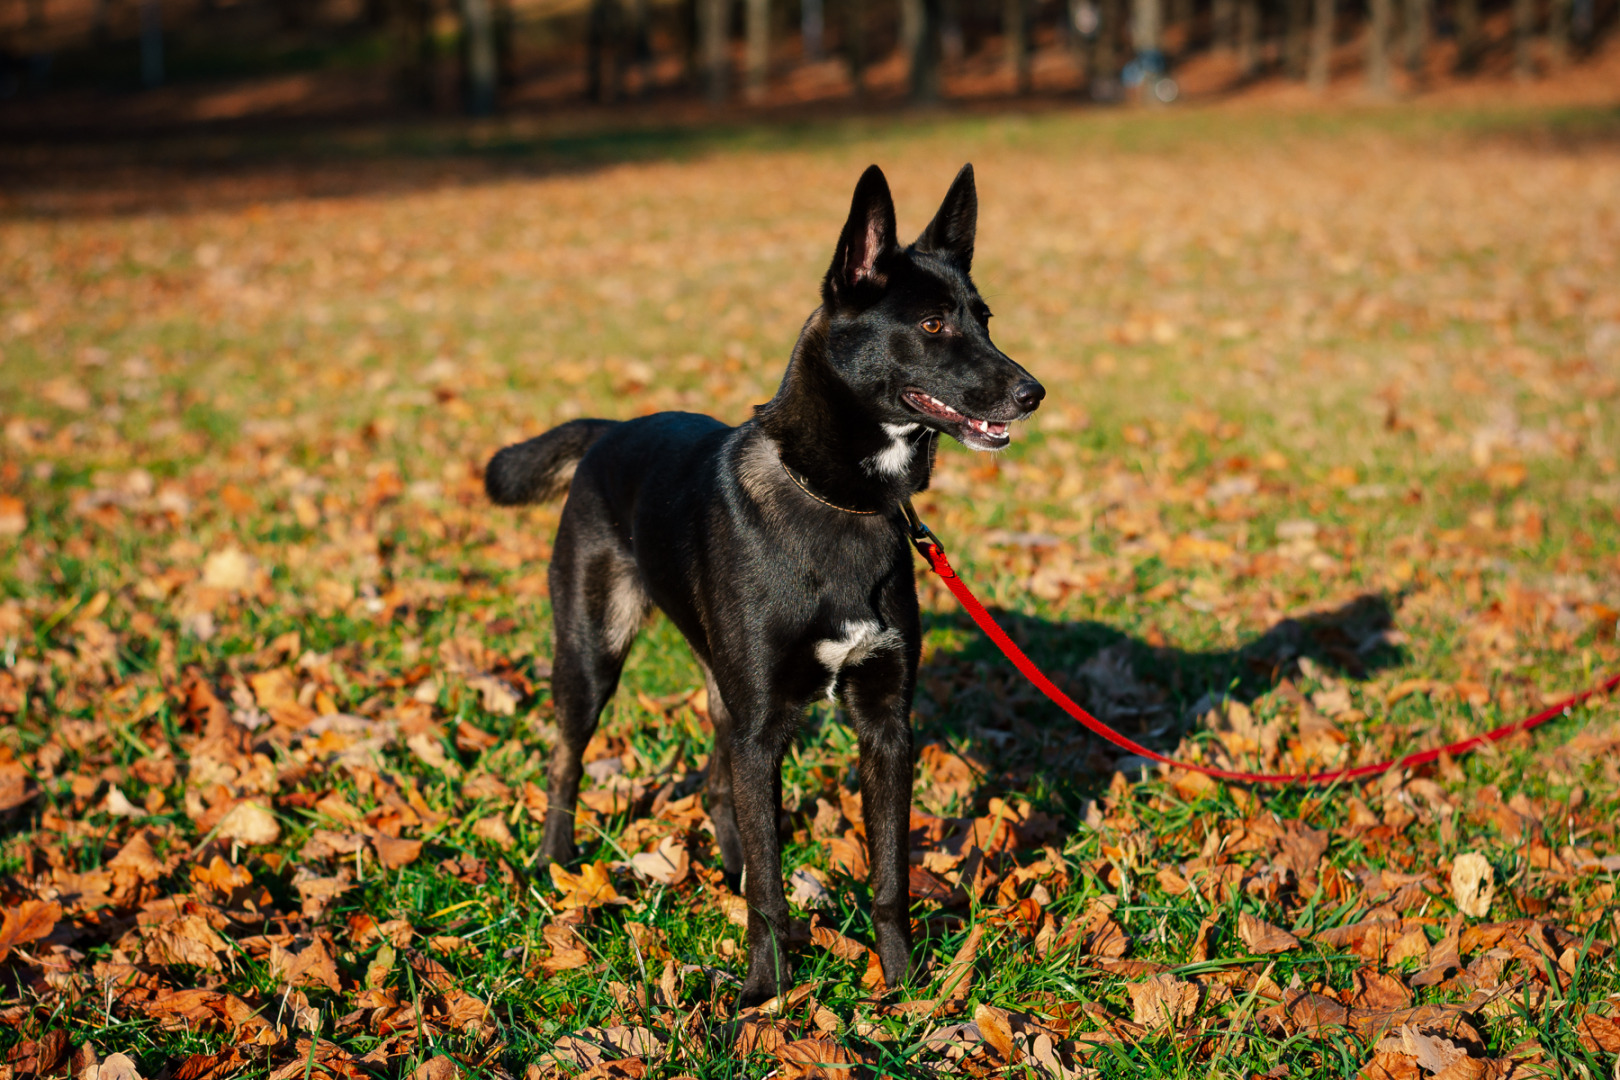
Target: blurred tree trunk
(1081,17)
(759,48)
(812,29)
(713,20)
(424,74)
(1223,23)
(688,20)
(1249,37)
(922,31)
(1147,29)
(1321,45)
(1582,20)
(1378,47)
(506,43)
(599,48)
(1524,31)
(638,46)
(1295,35)
(478,35)
(1015,27)
(855,44)
(950,30)
(151,42)
(1181,14)
(1467,16)
(1558,37)
(1105,56)
(910,26)
(1417,36)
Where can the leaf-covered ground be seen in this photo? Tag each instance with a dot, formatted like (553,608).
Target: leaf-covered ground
(1328,471)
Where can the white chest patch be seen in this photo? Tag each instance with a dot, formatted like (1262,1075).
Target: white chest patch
(862,638)
(894,459)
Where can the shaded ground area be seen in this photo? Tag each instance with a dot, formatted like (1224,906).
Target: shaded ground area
(1327,472)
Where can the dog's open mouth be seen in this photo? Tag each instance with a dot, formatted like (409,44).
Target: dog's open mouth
(978,434)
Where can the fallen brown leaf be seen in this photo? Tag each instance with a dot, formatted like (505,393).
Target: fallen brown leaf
(590,888)
(668,863)
(249,823)
(1263,938)
(816,1059)
(394,852)
(185,940)
(313,966)
(957,979)
(996,1030)
(1162,1000)
(1378,990)
(28,921)
(1472,884)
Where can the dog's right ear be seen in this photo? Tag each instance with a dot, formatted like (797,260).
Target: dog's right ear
(867,241)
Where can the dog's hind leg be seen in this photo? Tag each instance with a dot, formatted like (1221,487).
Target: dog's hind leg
(722,810)
(598,604)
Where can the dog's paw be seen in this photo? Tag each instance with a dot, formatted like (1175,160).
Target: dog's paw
(561,853)
(756,992)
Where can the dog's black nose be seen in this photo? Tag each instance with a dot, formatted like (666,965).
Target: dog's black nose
(1028,394)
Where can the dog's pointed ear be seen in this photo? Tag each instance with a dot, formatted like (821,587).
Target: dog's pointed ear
(867,241)
(951,232)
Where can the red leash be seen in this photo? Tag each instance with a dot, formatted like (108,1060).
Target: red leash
(934,552)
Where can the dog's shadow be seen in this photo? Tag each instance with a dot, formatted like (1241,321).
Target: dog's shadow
(972,699)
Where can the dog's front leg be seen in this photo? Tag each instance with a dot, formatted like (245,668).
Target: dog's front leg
(879,703)
(757,746)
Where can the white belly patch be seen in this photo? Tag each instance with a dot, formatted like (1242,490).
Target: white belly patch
(862,638)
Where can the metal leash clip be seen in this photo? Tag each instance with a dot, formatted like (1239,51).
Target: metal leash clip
(921,535)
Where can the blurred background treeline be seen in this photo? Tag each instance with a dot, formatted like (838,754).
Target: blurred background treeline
(63,61)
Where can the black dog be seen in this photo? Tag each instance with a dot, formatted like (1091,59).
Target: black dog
(780,549)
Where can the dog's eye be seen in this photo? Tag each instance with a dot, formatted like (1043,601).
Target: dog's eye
(933,326)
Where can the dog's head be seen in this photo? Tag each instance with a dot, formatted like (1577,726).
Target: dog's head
(908,330)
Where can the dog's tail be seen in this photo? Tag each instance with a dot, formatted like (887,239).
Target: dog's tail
(541,468)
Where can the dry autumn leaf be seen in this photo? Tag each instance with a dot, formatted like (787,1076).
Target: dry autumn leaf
(1162,1000)
(845,948)
(494,829)
(815,1059)
(1262,938)
(249,823)
(1374,989)
(114,1066)
(395,852)
(807,888)
(28,921)
(1472,884)
(590,888)
(956,980)
(667,864)
(314,965)
(847,855)
(996,1030)
(221,876)
(1599,1033)
(567,949)
(13,516)
(187,940)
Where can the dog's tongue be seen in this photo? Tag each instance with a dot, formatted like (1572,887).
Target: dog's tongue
(988,427)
